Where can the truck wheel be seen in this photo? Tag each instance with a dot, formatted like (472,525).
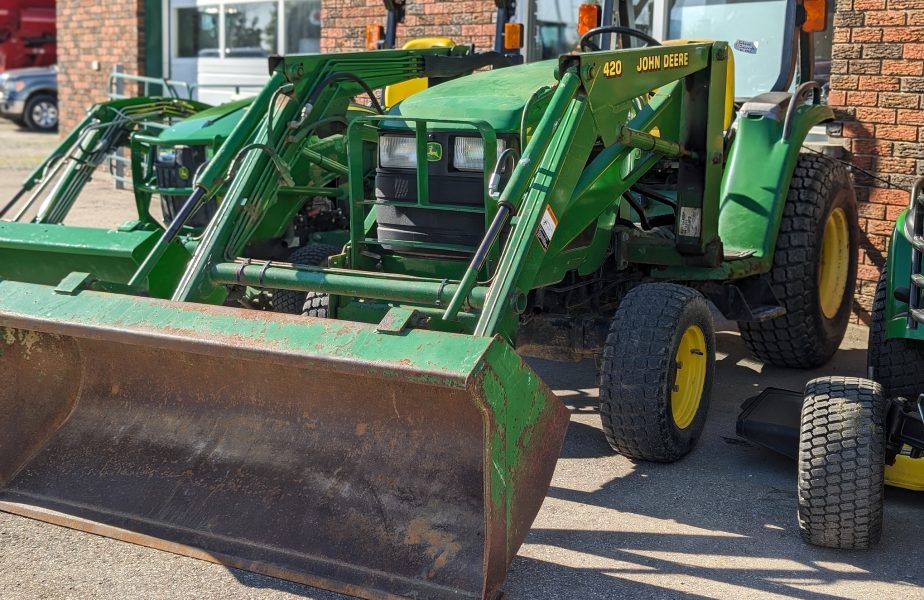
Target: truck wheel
(41,113)
(814,268)
(841,463)
(289,301)
(657,372)
(894,363)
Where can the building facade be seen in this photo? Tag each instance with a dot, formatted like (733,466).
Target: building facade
(873,54)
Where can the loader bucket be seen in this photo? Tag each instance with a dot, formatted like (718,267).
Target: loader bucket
(325,452)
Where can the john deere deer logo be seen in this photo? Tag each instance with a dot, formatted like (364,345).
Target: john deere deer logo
(434,151)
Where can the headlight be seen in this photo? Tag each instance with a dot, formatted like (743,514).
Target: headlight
(399,152)
(469,153)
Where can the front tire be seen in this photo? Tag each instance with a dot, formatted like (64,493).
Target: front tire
(657,372)
(814,268)
(315,255)
(41,113)
(841,463)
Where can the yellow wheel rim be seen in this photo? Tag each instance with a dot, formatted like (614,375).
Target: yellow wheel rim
(690,378)
(835,263)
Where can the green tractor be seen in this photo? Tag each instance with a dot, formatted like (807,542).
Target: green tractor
(850,435)
(858,434)
(389,441)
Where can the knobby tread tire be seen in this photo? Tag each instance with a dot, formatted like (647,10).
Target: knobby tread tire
(292,302)
(315,305)
(804,337)
(638,372)
(894,363)
(841,463)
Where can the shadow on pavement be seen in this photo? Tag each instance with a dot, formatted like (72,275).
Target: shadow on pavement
(719,523)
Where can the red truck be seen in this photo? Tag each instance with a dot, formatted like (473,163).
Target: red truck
(27,34)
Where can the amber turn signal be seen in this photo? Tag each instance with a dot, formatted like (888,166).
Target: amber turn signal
(588,17)
(513,36)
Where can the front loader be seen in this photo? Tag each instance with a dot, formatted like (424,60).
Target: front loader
(389,442)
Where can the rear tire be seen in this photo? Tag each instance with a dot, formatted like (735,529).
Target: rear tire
(814,268)
(841,463)
(894,363)
(314,255)
(657,372)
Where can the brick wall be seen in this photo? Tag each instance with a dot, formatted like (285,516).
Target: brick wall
(111,33)
(467,22)
(877,80)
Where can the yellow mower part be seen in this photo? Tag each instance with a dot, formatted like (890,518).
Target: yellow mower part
(907,473)
(398,92)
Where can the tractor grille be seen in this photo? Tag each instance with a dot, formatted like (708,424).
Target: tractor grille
(450,223)
(175,168)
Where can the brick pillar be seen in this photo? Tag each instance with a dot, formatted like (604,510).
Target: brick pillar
(877,80)
(343,22)
(110,33)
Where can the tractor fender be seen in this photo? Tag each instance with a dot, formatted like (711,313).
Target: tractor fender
(757,175)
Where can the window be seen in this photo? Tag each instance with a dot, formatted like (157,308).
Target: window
(823,43)
(759,31)
(197,32)
(556,25)
(303,26)
(251,29)
(248,29)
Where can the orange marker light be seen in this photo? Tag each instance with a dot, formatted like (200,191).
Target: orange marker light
(374,36)
(588,17)
(816,15)
(513,36)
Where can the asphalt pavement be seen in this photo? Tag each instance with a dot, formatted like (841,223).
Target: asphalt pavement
(720,523)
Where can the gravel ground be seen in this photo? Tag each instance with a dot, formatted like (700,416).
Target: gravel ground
(21,151)
(719,524)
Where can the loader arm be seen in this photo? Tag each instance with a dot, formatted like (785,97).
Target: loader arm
(70,166)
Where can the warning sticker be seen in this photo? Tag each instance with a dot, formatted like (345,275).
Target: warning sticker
(690,219)
(547,227)
(746,46)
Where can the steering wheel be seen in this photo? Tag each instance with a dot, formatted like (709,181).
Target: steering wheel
(585,44)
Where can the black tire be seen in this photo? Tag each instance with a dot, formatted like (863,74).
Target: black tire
(894,363)
(315,305)
(41,113)
(640,369)
(315,255)
(805,336)
(841,463)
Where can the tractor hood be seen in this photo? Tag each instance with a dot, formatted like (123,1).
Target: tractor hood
(497,97)
(206,126)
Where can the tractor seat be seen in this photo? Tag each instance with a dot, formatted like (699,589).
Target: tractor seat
(399,91)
